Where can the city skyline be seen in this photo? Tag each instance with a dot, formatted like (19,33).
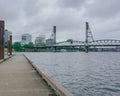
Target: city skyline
(69,16)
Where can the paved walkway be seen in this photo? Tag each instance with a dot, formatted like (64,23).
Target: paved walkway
(18,78)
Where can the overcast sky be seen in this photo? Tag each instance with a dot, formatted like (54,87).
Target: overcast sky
(37,17)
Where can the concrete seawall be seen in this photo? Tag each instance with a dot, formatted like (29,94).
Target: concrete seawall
(59,90)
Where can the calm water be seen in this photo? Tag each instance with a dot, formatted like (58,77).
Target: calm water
(83,74)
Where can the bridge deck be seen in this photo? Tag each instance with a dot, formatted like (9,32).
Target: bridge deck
(18,78)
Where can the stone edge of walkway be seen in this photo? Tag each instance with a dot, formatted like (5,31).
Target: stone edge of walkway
(59,90)
(3,60)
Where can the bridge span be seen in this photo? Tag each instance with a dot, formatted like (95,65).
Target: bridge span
(96,45)
(88,45)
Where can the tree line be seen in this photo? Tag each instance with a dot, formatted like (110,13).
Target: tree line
(17,46)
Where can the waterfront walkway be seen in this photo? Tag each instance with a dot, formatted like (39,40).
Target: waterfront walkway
(18,78)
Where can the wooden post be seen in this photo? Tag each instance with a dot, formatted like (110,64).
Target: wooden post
(1,39)
(10,45)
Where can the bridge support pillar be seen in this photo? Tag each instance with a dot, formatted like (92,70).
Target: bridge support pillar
(86,49)
(54,49)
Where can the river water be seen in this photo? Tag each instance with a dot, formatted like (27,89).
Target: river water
(83,74)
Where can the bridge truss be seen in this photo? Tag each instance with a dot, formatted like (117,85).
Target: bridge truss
(90,42)
(87,45)
(104,42)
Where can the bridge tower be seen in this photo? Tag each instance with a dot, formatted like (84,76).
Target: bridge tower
(53,38)
(89,37)
(54,34)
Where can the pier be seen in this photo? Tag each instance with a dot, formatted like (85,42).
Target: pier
(18,77)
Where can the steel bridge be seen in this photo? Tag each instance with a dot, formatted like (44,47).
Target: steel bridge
(81,45)
(90,42)
(104,42)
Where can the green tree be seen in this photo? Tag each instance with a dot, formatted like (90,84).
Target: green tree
(25,46)
(40,45)
(29,45)
(17,46)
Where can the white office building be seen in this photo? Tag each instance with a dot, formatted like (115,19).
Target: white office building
(40,39)
(26,38)
(50,41)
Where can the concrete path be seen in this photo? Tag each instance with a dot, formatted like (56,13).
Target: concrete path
(18,78)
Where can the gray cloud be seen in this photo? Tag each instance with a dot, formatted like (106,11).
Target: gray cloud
(71,3)
(38,17)
(32,7)
(9,9)
(103,8)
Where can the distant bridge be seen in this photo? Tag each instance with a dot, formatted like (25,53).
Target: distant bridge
(89,42)
(87,45)
(104,42)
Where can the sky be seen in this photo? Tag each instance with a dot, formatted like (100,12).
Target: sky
(37,17)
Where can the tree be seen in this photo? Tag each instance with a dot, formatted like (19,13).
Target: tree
(29,45)
(17,46)
(40,45)
(25,46)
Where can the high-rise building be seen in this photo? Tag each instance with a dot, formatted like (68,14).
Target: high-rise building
(40,40)
(50,41)
(7,37)
(26,38)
